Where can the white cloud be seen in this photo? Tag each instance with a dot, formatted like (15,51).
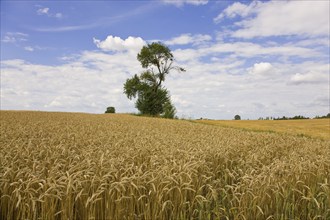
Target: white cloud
(261,69)
(321,101)
(312,42)
(180,3)
(184,55)
(189,39)
(235,88)
(29,48)
(14,37)
(280,18)
(92,81)
(89,83)
(216,84)
(58,15)
(237,9)
(42,11)
(310,73)
(246,50)
(309,78)
(117,44)
(46,11)
(58,102)
(104,22)
(34,48)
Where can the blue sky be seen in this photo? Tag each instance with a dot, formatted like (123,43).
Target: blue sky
(253,58)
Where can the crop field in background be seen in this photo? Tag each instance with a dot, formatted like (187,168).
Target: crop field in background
(112,166)
(316,128)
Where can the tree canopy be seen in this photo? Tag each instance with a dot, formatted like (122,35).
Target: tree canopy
(237,117)
(110,110)
(152,97)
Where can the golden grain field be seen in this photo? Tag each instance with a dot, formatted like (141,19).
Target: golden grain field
(112,166)
(315,128)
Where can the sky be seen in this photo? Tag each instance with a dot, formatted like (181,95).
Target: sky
(251,58)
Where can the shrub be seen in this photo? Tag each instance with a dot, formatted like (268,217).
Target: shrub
(237,117)
(110,110)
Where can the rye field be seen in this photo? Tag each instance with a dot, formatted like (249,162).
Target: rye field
(116,167)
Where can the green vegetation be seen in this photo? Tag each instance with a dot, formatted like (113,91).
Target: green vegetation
(297,117)
(152,97)
(110,110)
(237,117)
(324,116)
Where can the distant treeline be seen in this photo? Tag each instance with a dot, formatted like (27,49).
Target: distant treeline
(294,118)
(324,116)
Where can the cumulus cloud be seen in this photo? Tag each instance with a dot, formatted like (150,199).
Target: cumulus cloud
(116,44)
(214,86)
(237,9)
(180,3)
(280,18)
(184,55)
(311,73)
(82,84)
(189,39)
(261,69)
(309,78)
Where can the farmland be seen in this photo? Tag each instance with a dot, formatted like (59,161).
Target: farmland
(116,166)
(315,128)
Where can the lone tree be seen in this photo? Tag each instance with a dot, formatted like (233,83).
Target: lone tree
(152,97)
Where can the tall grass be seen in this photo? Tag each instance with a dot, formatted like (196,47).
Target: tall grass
(83,166)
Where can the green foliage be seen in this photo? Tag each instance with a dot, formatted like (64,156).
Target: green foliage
(237,117)
(152,98)
(324,116)
(169,110)
(132,86)
(293,118)
(154,55)
(110,110)
(152,102)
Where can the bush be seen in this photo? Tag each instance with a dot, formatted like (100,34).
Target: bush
(237,117)
(110,110)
